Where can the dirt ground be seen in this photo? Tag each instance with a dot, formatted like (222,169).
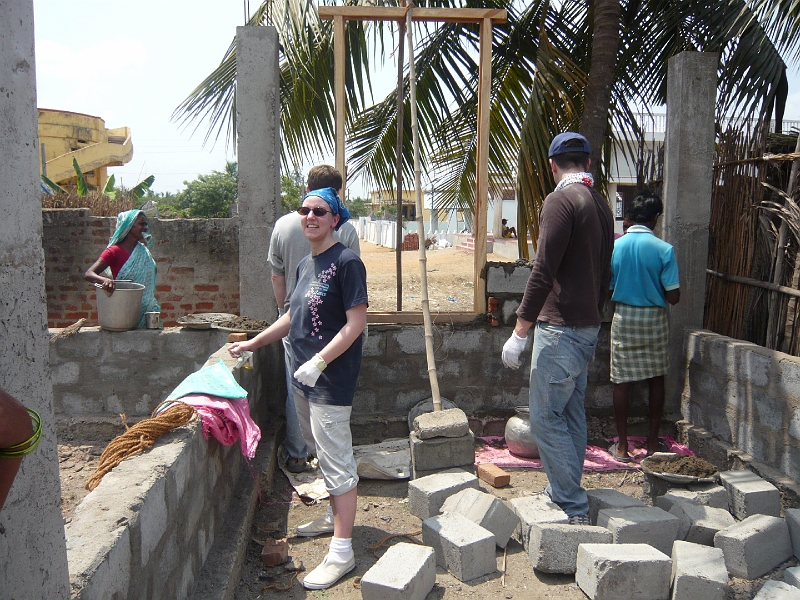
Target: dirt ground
(383,512)
(449,273)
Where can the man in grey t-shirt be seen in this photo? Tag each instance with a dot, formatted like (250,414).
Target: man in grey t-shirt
(287,246)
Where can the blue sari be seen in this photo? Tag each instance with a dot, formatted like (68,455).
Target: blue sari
(140,267)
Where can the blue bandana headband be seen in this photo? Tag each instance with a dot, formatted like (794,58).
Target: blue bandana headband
(332,198)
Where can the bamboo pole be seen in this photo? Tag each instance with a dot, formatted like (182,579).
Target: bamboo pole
(780,252)
(423,261)
(399,165)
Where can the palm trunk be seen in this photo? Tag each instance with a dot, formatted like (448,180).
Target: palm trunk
(597,96)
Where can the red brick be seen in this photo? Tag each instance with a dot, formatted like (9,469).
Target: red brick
(167,306)
(493,475)
(206,288)
(187,307)
(237,337)
(163,288)
(275,552)
(205,306)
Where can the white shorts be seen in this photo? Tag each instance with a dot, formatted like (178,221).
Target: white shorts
(326,431)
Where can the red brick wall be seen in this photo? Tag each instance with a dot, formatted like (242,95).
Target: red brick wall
(198,264)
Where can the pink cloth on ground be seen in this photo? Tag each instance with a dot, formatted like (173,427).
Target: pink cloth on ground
(597,459)
(227,419)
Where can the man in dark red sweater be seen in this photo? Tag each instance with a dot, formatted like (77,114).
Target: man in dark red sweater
(564,298)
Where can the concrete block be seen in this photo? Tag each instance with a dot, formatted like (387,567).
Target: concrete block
(451,423)
(601,498)
(754,546)
(699,524)
(441,452)
(641,524)
(534,509)
(489,512)
(792,516)
(427,494)
(792,576)
(631,571)
(405,572)
(464,548)
(493,475)
(698,572)
(553,547)
(749,495)
(705,494)
(416,473)
(777,590)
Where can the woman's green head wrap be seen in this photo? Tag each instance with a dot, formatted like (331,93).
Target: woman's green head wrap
(126,220)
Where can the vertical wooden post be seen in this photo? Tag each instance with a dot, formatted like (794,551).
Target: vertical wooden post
(339,64)
(482,162)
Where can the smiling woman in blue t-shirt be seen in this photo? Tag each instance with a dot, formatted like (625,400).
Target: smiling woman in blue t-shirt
(327,314)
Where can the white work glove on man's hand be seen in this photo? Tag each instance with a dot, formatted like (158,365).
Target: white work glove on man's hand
(512,349)
(310,371)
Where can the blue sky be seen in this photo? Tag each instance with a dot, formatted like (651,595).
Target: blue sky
(132,63)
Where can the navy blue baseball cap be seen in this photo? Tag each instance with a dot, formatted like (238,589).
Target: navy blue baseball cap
(559,145)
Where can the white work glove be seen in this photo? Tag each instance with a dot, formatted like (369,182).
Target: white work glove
(309,372)
(512,349)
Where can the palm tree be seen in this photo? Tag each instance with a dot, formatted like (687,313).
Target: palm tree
(581,66)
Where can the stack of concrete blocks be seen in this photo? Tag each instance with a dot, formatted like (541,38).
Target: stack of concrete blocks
(473,523)
(699,524)
(534,509)
(441,440)
(754,546)
(641,525)
(405,572)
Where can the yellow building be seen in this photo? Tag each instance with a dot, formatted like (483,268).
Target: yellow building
(388,198)
(65,135)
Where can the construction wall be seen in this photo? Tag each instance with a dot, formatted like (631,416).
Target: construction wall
(746,396)
(197,259)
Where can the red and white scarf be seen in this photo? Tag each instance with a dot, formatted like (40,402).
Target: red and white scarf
(584,178)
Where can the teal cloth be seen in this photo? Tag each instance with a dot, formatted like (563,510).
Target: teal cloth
(213,380)
(141,266)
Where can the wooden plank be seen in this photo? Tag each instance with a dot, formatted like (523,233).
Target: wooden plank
(339,62)
(409,317)
(392,13)
(482,163)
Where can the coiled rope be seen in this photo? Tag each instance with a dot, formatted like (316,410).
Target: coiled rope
(140,437)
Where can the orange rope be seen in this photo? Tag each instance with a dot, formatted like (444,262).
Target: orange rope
(394,535)
(139,438)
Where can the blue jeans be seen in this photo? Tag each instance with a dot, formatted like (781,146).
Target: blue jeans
(559,367)
(294,444)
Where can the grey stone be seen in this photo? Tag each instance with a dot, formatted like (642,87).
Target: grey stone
(749,494)
(441,452)
(601,498)
(698,572)
(537,508)
(464,548)
(641,524)
(777,590)
(405,572)
(553,547)
(754,546)
(486,510)
(706,494)
(792,576)
(603,571)
(699,524)
(426,495)
(792,516)
(450,423)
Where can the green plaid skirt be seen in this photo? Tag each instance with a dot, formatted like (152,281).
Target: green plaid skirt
(639,343)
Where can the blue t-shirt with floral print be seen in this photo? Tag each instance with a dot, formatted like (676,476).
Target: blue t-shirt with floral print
(328,285)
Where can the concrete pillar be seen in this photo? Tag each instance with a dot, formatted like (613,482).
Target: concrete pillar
(33,553)
(688,172)
(258,147)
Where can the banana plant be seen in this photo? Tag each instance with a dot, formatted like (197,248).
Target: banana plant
(52,185)
(108,189)
(81,187)
(140,189)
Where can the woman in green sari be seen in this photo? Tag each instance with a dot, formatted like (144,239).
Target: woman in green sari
(127,256)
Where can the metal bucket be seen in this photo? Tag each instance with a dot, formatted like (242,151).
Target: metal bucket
(119,311)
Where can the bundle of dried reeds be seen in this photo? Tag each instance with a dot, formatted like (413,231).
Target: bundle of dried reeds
(99,204)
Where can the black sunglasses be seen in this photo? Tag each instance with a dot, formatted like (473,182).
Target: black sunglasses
(317,210)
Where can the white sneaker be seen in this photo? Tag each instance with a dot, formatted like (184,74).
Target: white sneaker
(318,526)
(328,573)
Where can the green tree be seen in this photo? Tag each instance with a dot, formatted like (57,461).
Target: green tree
(359,207)
(210,196)
(579,65)
(292,191)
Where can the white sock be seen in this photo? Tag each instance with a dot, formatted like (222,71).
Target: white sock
(341,549)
